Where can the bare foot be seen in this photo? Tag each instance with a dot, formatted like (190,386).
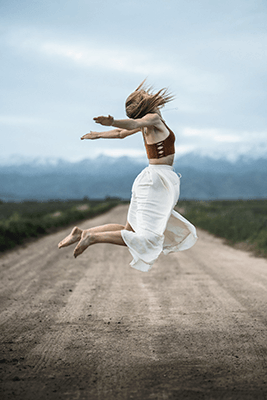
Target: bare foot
(73,237)
(86,240)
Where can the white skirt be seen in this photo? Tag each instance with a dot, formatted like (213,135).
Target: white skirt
(157,227)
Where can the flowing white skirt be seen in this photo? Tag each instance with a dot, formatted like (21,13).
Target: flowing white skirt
(157,227)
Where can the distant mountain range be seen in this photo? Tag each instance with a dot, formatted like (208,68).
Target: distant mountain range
(203,178)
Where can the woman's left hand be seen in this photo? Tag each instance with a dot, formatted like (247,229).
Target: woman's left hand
(106,121)
(91,135)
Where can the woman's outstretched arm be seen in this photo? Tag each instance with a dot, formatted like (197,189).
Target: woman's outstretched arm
(130,124)
(113,134)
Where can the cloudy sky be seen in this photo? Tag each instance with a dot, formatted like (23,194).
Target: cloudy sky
(64,62)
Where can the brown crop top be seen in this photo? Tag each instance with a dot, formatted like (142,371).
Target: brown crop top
(163,148)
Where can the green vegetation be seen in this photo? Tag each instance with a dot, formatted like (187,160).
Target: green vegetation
(242,221)
(31,219)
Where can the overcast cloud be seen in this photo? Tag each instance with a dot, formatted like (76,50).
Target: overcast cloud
(64,62)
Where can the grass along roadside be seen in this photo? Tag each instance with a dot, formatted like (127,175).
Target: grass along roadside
(20,222)
(243,223)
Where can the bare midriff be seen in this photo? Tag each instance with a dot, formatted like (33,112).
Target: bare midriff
(168,160)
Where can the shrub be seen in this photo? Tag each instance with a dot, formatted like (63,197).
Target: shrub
(236,221)
(45,217)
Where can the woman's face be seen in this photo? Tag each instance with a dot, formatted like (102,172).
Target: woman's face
(129,110)
(131,106)
(134,103)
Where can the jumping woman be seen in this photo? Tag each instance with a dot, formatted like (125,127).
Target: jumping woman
(152,224)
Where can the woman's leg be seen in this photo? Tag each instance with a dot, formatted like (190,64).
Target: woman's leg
(90,237)
(76,233)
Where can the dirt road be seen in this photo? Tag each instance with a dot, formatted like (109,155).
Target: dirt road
(194,327)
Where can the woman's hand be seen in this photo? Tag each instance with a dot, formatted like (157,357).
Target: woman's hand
(106,121)
(91,135)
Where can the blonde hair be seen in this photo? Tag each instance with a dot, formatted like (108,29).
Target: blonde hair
(143,101)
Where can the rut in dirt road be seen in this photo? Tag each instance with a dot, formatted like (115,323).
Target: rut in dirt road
(94,328)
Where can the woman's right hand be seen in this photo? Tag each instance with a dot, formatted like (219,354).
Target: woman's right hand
(106,121)
(91,135)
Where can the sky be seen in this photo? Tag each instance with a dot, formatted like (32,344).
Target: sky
(65,62)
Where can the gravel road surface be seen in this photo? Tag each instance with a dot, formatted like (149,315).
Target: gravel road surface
(194,327)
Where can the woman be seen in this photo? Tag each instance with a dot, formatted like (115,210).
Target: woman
(152,224)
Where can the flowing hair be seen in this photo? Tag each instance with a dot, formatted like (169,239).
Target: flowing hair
(143,101)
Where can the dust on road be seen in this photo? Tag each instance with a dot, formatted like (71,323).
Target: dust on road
(194,327)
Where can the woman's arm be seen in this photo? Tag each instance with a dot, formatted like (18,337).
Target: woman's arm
(113,134)
(130,124)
